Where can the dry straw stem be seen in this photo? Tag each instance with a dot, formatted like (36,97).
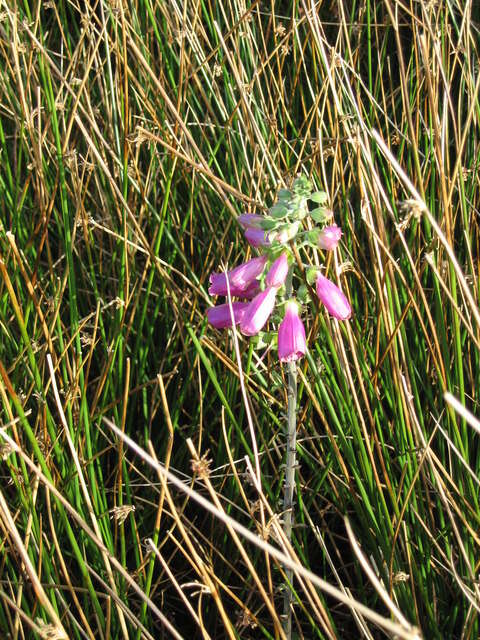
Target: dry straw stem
(266,597)
(156,552)
(463,411)
(90,533)
(132,134)
(84,487)
(278,532)
(447,244)
(361,623)
(12,530)
(406,633)
(379,588)
(209,580)
(448,503)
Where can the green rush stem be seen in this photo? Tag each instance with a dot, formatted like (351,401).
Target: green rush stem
(289,475)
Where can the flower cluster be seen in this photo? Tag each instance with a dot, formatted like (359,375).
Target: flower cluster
(259,284)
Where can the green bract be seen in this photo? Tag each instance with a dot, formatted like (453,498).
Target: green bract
(319,215)
(311,274)
(278,211)
(284,194)
(320,197)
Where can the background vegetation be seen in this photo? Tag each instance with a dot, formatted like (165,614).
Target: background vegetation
(131,136)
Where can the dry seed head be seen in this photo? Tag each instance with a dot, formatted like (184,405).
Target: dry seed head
(255,506)
(50,631)
(245,619)
(201,467)
(19,477)
(44,442)
(401,576)
(412,207)
(85,339)
(120,514)
(5,450)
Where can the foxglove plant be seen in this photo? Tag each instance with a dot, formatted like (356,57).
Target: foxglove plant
(267,283)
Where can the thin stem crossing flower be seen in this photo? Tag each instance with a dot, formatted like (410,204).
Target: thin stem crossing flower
(220,316)
(239,278)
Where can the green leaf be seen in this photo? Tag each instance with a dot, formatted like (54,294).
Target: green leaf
(312,274)
(320,197)
(278,211)
(263,339)
(319,214)
(302,186)
(303,295)
(284,194)
(313,235)
(268,225)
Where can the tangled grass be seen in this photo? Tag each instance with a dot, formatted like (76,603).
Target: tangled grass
(131,136)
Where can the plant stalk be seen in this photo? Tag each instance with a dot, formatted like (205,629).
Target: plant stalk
(289,476)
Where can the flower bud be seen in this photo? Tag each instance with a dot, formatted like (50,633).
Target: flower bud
(256,237)
(277,273)
(250,220)
(329,237)
(332,297)
(285,233)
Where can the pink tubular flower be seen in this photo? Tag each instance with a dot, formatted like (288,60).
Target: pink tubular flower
(292,344)
(329,237)
(256,237)
(220,316)
(249,220)
(250,292)
(239,278)
(277,273)
(333,298)
(258,312)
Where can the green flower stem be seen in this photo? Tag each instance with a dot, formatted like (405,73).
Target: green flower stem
(289,474)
